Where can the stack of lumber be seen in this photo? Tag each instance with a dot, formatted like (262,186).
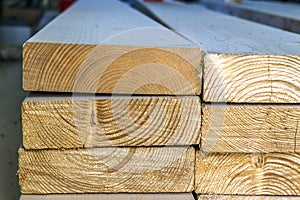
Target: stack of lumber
(114,107)
(250,109)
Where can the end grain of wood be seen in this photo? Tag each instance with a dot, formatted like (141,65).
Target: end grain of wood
(249,128)
(66,122)
(107,170)
(248,174)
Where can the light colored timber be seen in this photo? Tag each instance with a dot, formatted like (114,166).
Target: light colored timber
(244,61)
(51,121)
(107,170)
(281,15)
(247,174)
(252,78)
(124,196)
(108,47)
(241,197)
(250,128)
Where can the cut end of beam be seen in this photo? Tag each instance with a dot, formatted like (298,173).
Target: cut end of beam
(247,174)
(112,69)
(252,78)
(107,170)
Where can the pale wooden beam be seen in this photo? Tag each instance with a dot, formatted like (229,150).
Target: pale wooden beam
(121,196)
(244,61)
(65,121)
(247,174)
(107,170)
(107,47)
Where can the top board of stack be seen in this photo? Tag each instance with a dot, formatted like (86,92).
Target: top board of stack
(229,52)
(132,96)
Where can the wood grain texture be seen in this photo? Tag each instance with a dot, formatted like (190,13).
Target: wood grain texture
(244,61)
(108,170)
(120,52)
(241,197)
(64,121)
(122,196)
(252,78)
(219,35)
(250,128)
(277,14)
(248,174)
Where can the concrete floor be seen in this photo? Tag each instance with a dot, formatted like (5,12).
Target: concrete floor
(11,97)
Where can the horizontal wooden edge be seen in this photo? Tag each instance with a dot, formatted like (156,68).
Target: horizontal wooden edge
(243,197)
(249,105)
(56,96)
(120,196)
(23,150)
(100,165)
(108,46)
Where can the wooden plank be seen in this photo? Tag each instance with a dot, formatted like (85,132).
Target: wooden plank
(107,47)
(122,196)
(250,128)
(244,61)
(241,197)
(62,121)
(107,170)
(252,78)
(247,174)
(281,15)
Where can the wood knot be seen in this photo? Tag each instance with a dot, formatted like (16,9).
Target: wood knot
(258,160)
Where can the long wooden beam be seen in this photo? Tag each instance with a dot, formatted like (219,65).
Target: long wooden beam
(247,174)
(65,121)
(230,128)
(244,197)
(244,61)
(121,196)
(107,47)
(107,170)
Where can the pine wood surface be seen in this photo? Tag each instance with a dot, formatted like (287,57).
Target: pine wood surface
(107,170)
(252,78)
(250,128)
(244,61)
(241,197)
(65,121)
(108,47)
(121,196)
(247,174)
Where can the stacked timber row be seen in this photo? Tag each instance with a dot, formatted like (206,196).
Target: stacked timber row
(250,109)
(115,107)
